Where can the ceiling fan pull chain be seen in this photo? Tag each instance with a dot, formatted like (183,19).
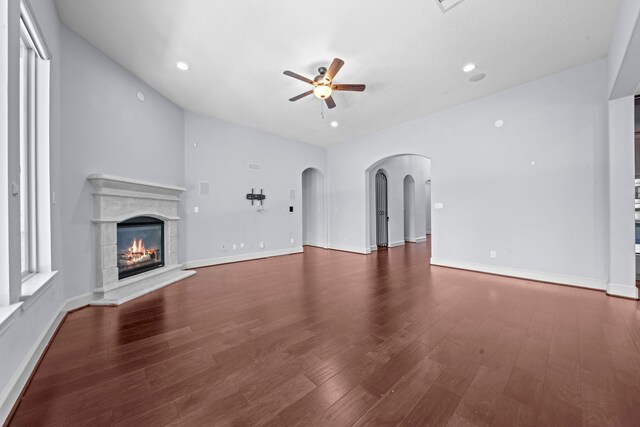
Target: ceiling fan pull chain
(322,110)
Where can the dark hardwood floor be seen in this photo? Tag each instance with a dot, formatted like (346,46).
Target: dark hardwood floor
(331,338)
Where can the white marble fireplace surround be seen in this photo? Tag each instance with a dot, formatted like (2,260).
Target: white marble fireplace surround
(117,199)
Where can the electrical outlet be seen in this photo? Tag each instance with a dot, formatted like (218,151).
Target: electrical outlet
(292,240)
(241,245)
(261,245)
(492,254)
(234,247)
(196,209)
(224,247)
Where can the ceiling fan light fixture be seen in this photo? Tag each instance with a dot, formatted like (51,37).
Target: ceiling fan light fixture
(322,91)
(469,67)
(183,66)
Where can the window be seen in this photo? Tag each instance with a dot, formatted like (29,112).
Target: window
(28,211)
(33,189)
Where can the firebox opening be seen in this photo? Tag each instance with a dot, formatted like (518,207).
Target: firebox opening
(140,245)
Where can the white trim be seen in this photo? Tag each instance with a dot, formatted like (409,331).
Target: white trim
(622,290)
(27,17)
(35,286)
(6,316)
(12,390)
(243,257)
(316,244)
(395,244)
(415,239)
(583,282)
(354,249)
(373,248)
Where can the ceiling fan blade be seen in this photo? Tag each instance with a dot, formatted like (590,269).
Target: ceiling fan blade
(330,102)
(356,88)
(334,68)
(302,95)
(297,76)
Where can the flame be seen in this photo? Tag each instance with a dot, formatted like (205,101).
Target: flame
(137,247)
(138,252)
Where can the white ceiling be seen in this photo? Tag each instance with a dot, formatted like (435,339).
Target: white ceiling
(408,53)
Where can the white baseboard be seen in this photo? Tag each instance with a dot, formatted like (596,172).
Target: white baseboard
(622,290)
(315,244)
(354,249)
(16,384)
(583,282)
(395,244)
(373,248)
(241,257)
(415,239)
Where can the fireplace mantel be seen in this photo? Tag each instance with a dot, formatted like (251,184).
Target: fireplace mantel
(117,199)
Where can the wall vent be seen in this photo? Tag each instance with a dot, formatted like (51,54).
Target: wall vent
(447,5)
(204,188)
(255,166)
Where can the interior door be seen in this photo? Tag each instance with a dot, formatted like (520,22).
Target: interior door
(382,214)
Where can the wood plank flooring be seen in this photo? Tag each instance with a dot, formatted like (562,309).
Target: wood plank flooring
(330,338)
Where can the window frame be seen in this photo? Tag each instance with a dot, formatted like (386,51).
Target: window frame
(28,149)
(38,275)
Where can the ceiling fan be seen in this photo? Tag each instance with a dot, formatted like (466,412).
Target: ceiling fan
(323,83)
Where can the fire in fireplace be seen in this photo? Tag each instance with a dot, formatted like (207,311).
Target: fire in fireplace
(140,245)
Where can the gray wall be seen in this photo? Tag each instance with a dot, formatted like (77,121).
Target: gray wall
(106,129)
(219,152)
(550,216)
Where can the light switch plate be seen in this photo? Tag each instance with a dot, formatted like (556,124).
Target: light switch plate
(438,205)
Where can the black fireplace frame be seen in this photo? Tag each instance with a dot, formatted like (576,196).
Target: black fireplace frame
(136,222)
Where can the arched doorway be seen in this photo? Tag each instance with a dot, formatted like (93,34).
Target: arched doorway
(427,195)
(382,214)
(396,168)
(313,208)
(409,193)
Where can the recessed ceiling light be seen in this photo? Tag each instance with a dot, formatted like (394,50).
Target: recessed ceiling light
(182,65)
(334,124)
(469,67)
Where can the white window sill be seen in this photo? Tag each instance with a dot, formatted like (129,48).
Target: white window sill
(35,286)
(6,316)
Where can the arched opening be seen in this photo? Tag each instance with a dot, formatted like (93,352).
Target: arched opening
(408,209)
(313,208)
(382,214)
(409,196)
(427,196)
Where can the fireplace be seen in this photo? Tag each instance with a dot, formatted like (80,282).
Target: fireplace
(136,232)
(140,245)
